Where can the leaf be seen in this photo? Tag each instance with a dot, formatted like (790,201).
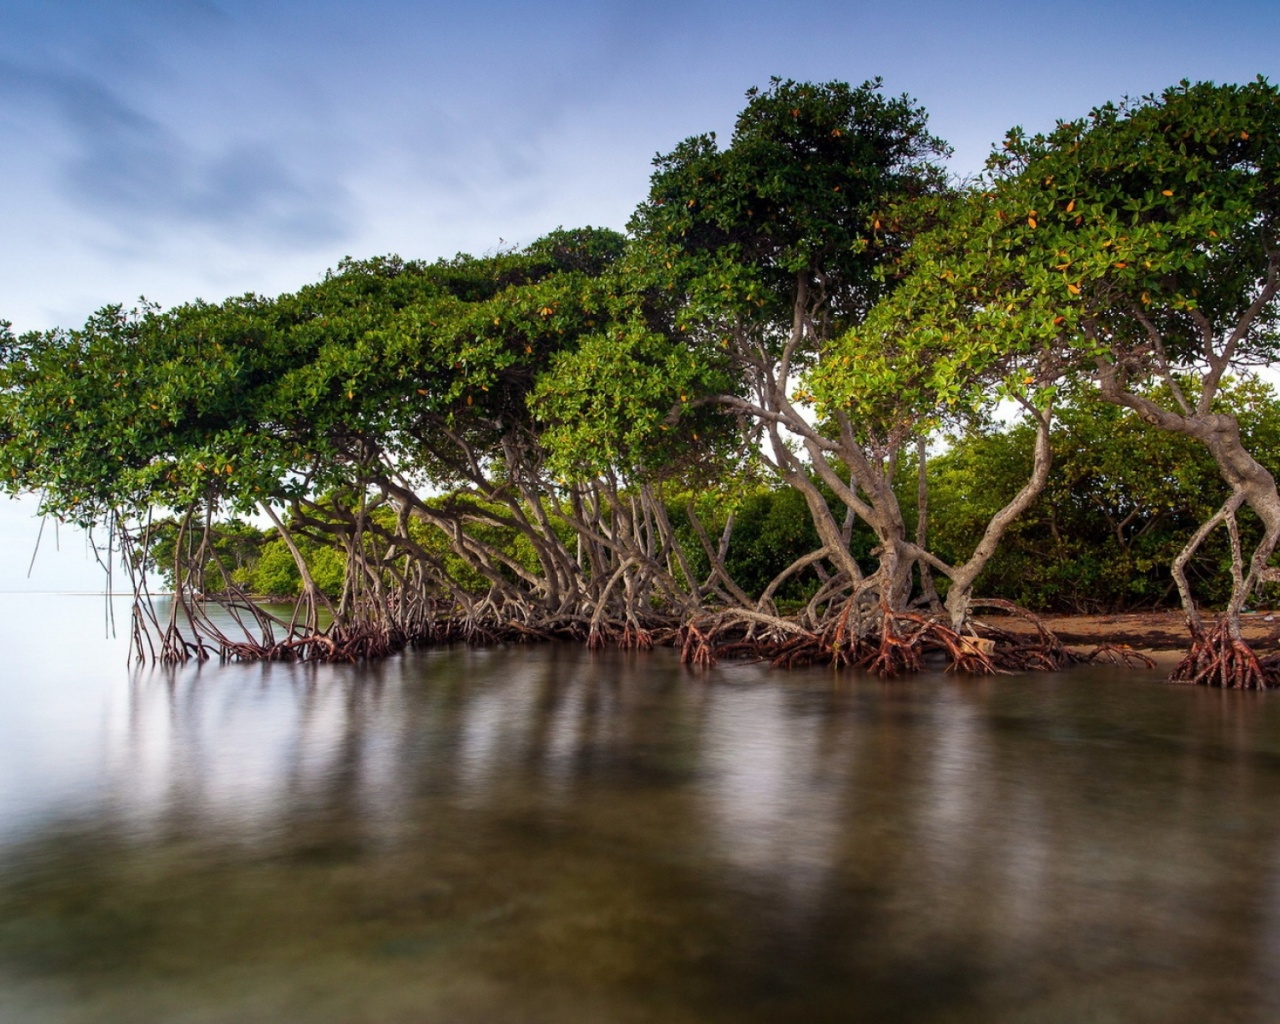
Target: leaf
(1167,192)
(1074,289)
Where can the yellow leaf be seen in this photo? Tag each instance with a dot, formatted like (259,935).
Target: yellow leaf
(1074,289)
(876,225)
(1031,222)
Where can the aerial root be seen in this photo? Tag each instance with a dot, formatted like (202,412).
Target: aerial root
(1117,654)
(697,648)
(892,644)
(1221,658)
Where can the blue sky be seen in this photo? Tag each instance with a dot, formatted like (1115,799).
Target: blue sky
(183,148)
(203,148)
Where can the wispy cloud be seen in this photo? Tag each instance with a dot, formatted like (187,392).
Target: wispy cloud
(126,167)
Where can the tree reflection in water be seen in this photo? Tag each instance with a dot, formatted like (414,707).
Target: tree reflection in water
(544,834)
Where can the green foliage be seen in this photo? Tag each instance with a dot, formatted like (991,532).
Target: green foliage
(706,294)
(796,191)
(1159,213)
(275,574)
(1121,502)
(259,400)
(772,529)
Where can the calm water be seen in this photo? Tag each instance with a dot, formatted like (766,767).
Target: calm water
(541,835)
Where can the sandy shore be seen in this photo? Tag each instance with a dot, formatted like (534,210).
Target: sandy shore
(1162,632)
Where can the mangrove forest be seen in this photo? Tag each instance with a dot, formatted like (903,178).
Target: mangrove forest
(819,403)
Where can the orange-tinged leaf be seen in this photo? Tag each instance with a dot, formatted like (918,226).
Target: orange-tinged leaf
(1031,222)
(1071,206)
(1074,289)
(1058,320)
(1167,192)
(1244,135)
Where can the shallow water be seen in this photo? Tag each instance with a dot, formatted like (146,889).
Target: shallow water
(543,835)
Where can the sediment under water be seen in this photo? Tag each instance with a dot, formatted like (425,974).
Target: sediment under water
(541,834)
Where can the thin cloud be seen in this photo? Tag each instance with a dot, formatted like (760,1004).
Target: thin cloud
(129,169)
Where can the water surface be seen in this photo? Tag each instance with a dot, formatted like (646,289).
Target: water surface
(538,834)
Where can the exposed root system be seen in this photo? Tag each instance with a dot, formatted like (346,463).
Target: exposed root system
(1118,654)
(1218,657)
(887,644)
